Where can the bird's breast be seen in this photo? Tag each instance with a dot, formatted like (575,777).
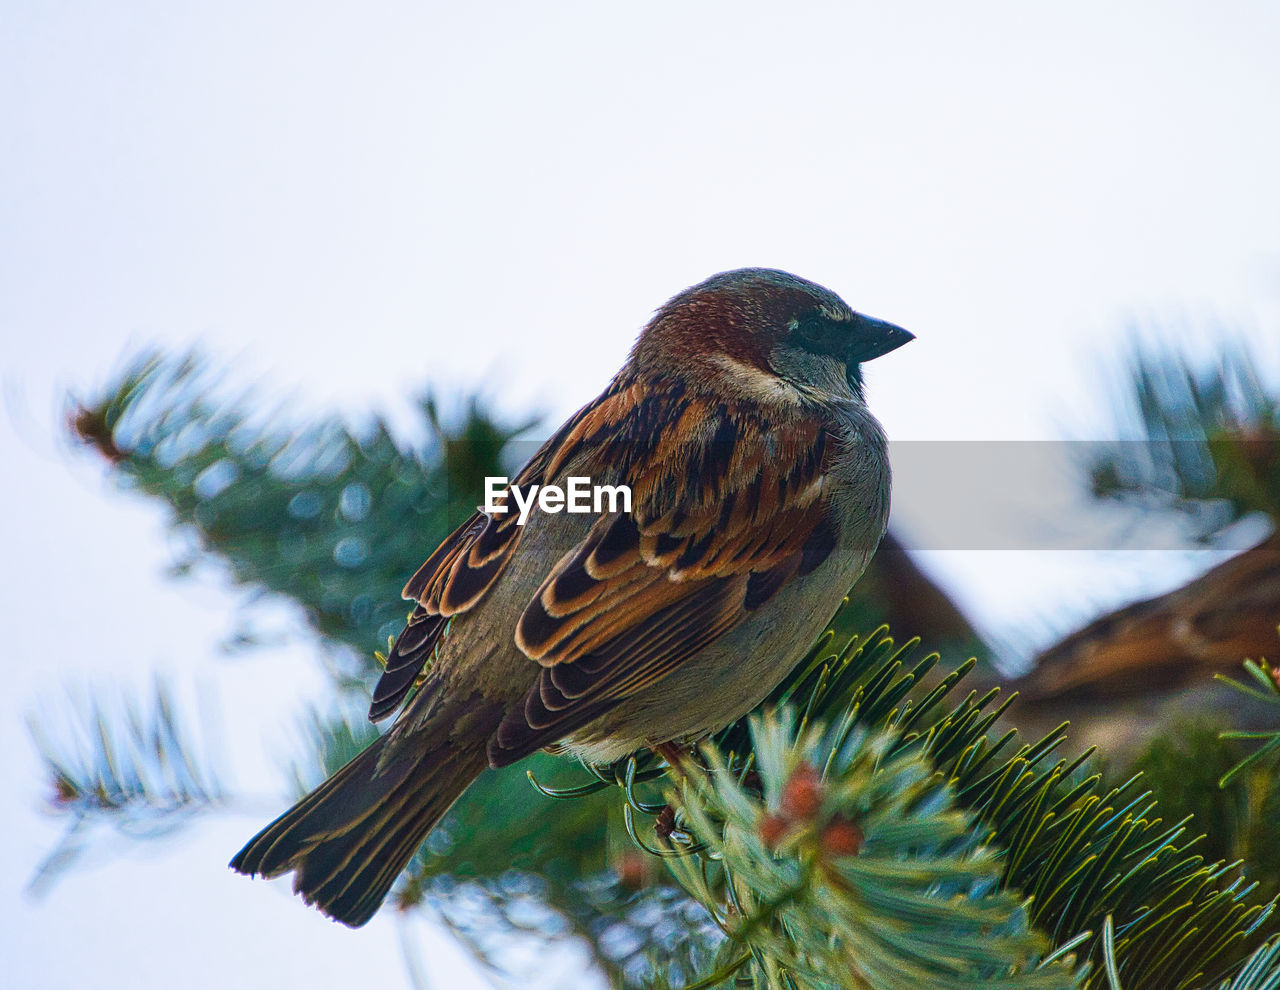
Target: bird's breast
(857,478)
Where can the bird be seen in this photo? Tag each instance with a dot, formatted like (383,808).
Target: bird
(759,489)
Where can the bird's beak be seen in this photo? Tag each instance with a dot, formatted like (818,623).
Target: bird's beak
(872,338)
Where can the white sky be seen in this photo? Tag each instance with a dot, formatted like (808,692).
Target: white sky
(349,203)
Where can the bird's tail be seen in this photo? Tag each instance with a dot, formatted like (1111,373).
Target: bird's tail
(348,840)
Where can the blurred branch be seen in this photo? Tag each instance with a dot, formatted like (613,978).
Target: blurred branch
(1169,642)
(894,591)
(130,766)
(1211,443)
(330,517)
(1208,454)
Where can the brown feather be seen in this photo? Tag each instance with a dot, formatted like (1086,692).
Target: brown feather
(457,576)
(641,594)
(351,837)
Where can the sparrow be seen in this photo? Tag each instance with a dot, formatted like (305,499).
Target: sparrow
(759,489)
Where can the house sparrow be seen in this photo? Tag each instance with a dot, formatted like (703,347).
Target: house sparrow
(760,489)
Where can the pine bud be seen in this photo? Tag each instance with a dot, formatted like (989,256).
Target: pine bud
(772,828)
(802,795)
(841,837)
(64,790)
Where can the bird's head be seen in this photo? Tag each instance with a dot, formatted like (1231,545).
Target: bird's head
(764,334)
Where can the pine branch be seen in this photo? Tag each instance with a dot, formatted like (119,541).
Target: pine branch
(1266,688)
(332,517)
(1184,768)
(863,874)
(1080,851)
(1211,443)
(1260,972)
(129,765)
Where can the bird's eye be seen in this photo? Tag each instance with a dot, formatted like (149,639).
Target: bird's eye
(812,330)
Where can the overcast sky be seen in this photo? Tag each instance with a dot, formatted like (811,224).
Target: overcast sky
(347,202)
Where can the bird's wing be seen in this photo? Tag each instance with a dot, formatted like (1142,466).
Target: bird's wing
(413,647)
(724,513)
(455,577)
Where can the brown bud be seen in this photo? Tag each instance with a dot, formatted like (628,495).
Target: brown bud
(64,791)
(90,425)
(665,823)
(772,828)
(841,837)
(802,795)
